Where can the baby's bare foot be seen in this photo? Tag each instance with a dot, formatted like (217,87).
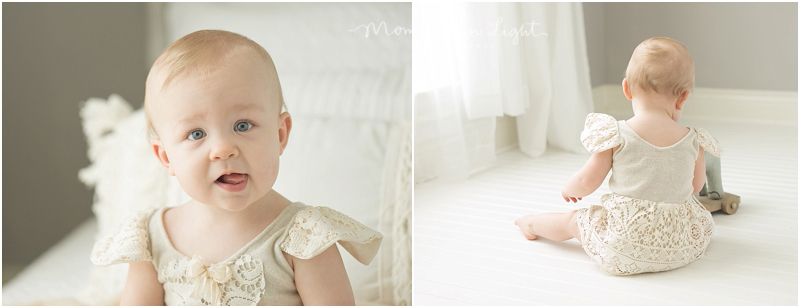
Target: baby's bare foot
(525,224)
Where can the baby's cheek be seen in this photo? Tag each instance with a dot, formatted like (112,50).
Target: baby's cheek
(189,175)
(270,170)
(268,162)
(190,185)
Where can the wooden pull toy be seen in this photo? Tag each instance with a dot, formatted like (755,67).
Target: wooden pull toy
(712,196)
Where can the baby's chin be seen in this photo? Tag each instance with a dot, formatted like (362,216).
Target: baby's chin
(231,202)
(234,207)
(236,204)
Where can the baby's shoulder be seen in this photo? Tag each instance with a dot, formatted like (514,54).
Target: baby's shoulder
(313,229)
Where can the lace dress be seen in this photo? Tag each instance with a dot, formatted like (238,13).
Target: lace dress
(258,274)
(650,222)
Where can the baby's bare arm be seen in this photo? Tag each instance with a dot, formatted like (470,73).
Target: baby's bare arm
(699,172)
(589,178)
(142,287)
(322,280)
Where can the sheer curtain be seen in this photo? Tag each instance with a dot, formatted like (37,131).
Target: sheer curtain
(474,62)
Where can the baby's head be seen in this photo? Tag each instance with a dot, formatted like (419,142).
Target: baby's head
(213,105)
(200,53)
(661,66)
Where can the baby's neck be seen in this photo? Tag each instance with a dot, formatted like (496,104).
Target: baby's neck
(653,107)
(265,209)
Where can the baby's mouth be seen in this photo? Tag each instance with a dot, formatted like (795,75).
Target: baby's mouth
(233,178)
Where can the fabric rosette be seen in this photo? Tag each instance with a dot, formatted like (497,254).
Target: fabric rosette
(207,279)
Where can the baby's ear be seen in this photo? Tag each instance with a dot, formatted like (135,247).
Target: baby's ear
(626,89)
(284,128)
(681,100)
(161,154)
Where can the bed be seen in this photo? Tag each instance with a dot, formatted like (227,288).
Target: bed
(349,96)
(467,250)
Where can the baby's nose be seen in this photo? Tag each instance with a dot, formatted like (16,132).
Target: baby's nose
(224,149)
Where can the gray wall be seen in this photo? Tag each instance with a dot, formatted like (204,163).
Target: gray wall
(56,55)
(594,22)
(734,45)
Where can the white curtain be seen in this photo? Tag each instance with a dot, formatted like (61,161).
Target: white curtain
(474,62)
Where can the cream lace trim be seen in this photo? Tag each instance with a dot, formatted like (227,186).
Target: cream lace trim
(600,133)
(314,229)
(192,282)
(630,236)
(130,243)
(708,143)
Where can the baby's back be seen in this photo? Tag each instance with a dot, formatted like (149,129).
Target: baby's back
(658,166)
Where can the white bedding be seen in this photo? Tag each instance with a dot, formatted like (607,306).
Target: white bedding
(62,271)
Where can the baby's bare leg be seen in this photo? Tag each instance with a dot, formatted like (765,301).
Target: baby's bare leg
(554,226)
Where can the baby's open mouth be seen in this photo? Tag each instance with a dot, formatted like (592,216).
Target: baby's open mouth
(233,178)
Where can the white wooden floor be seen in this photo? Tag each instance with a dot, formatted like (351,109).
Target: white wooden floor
(467,250)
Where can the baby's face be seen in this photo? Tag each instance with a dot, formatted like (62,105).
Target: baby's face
(222,134)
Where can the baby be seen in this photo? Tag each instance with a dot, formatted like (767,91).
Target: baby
(650,222)
(214,106)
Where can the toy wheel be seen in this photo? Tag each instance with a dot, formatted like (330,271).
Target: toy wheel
(730,207)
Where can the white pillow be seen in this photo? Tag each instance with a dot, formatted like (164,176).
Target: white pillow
(124,171)
(305,37)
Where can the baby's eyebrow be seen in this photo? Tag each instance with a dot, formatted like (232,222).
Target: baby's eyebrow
(186,120)
(247,107)
(235,107)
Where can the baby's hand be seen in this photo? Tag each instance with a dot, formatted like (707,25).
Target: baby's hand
(569,198)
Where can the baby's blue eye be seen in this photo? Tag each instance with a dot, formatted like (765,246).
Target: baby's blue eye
(196,134)
(243,126)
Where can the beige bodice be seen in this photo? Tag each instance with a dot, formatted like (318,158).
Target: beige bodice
(641,170)
(257,274)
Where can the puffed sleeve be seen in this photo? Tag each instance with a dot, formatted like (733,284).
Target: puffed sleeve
(600,132)
(314,229)
(708,143)
(129,243)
